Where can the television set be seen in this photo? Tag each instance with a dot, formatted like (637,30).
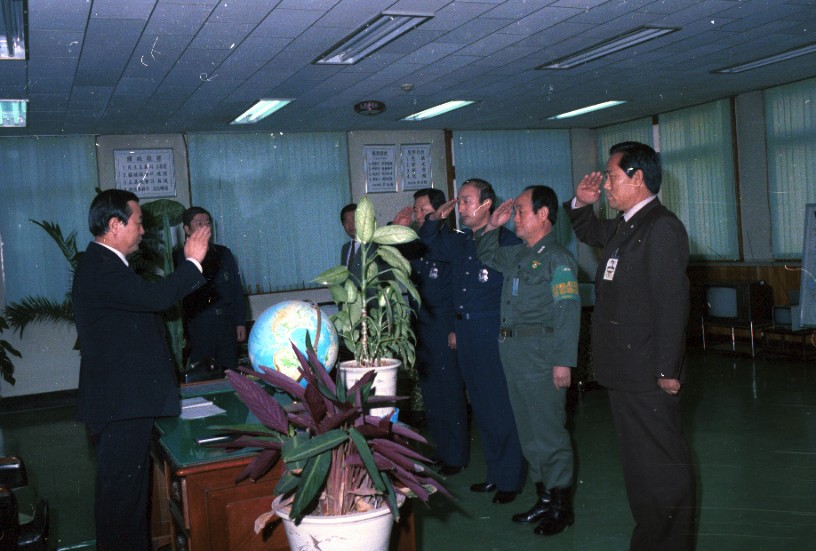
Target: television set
(739,303)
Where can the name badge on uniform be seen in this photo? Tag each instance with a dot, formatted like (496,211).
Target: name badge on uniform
(515,286)
(611,266)
(483,275)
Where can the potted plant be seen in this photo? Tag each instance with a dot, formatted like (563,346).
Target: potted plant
(340,465)
(374,315)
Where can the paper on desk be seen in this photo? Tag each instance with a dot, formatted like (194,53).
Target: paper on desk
(198,408)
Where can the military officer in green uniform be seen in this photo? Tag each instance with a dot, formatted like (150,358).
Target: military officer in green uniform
(538,343)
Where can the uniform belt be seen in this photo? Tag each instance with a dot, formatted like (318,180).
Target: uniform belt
(524,331)
(474,315)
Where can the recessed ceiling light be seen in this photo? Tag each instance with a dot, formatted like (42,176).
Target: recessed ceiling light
(756,64)
(637,36)
(372,36)
(13,113)
(262,109)
(437,110)
(585,110)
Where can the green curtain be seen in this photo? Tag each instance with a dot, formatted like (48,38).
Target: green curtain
(698,177)
(43,178)
(514,159)
(275,201)
(640,130)
(790,118)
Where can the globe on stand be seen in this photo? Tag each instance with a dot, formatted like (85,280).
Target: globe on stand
(270,340)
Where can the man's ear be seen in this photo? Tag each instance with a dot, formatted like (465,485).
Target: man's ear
(543,213)
(114,224)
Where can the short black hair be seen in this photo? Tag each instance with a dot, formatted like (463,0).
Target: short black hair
(111,203)
(638,156)
(192,212)
(351,207)
(544,196)
(485,191)
(435,196)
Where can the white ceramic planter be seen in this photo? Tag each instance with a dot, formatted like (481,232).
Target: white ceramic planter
(385,380)
(370,531)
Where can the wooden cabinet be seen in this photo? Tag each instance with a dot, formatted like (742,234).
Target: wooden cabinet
(208,512)
(198,507)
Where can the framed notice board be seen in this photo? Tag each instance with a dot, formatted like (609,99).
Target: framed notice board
(145,172)
(807,287)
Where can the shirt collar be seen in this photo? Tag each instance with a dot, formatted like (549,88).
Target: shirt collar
(117,253)
(634,210)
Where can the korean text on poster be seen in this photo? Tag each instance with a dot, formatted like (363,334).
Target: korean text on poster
(416,166)
(380,168)
(145,172)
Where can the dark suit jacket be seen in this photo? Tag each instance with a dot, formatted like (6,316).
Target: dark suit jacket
(640,315)
(126,370)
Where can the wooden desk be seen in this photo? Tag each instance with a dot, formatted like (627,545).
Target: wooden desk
(196,504)
(779,338)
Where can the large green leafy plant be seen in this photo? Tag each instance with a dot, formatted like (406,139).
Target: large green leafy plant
(337,459)
(156,257)
(374,316)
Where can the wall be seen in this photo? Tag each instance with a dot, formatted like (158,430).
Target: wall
(386,205)
(49,362)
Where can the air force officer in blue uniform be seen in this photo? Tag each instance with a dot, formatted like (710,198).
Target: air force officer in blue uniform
(443,389)
(476,294)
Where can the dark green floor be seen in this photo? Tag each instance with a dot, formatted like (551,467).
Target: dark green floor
(751,425)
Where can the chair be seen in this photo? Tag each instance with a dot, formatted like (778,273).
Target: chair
(23,517)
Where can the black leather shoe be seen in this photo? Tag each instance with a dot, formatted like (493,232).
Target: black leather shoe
(560,514)
(501,497)
(483,487)
(450,470)
(536,512)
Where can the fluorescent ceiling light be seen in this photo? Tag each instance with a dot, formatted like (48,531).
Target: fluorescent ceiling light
(261,110)
(13,113)
(12,30)
(437,110)
(784,56)
(372,36)
(587,109)
(637,36)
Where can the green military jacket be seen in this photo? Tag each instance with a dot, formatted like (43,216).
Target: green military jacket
(540,290)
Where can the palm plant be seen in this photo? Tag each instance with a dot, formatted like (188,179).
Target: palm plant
(337,459)
(6,365)
(39,309)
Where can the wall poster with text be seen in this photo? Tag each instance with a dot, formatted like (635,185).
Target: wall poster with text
(415,161)
(148,173)
(380,168)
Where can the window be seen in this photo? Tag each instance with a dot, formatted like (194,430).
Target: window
(790,119)
(698,177)
(275,202)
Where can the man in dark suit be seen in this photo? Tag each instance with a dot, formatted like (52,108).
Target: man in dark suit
(638,339)
(349,249)
(215,314)
(127,377)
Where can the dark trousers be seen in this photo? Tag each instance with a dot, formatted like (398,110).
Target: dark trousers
(122,484)
(478,351)
(540,410)
(657,469)
(443,391)
(213,335)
